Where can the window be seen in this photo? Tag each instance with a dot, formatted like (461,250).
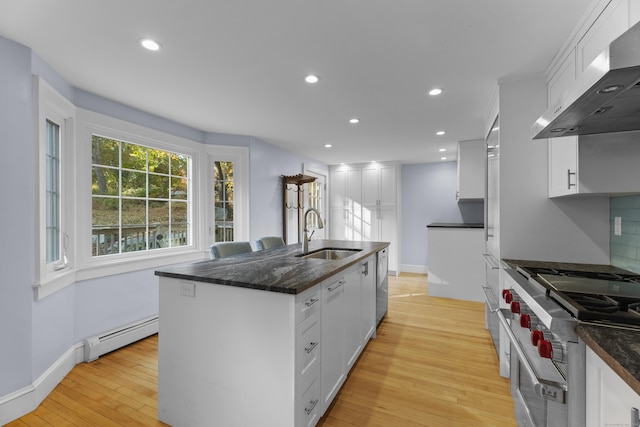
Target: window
(140,197)
(55,171)
(223,201)
(52,178)
(115,196)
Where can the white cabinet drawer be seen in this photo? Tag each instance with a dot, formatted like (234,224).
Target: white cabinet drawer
(308,404)
(308,303)
(308,346)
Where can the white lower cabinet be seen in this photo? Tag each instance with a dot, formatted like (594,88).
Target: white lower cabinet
(610,401)
(333,372)
(308,405)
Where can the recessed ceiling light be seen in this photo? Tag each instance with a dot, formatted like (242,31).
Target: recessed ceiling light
(327,146)
(442,149)
(443,158)
(435,91)
(150,44)
(354,121)
(312,78)
(440,133)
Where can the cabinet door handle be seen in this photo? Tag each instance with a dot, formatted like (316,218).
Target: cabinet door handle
(311,301)
(312,345)
(569,184)
(333,288)
(365,268)
(635,417)
(312,404)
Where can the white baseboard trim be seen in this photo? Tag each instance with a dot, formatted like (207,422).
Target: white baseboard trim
(420,269)
(21,402)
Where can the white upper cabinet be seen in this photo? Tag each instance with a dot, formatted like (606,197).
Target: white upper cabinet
(346,186)
(471,164)
(379,185)
(611,23)
(571,159)
(563,152)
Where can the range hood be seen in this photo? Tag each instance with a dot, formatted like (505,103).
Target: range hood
(605,99)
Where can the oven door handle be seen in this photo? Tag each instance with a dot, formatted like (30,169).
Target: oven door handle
(546,389)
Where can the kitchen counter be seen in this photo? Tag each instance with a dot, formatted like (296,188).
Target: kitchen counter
(619,348)
(455,225)
(275,270)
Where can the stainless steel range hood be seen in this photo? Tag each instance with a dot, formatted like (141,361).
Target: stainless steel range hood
(605,99)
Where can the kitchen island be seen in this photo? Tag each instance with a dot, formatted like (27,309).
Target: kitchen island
(243,339)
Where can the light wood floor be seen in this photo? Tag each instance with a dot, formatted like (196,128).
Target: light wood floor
(432,364)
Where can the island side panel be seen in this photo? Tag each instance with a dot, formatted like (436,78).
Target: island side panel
(225,356)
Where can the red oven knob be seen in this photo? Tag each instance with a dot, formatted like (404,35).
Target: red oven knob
(504,293)
(525,321)
(536,336)
(545,349)
(508,297)
(515,307)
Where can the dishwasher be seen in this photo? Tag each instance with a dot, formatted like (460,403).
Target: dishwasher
(382,284)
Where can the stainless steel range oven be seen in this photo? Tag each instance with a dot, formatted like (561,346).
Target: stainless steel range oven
(547,300)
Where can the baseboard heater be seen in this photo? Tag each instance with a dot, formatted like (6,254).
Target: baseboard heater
(95,347)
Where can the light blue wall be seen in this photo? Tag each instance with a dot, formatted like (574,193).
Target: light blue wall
(17,165)
(625,249)
(429,195)
(34,334)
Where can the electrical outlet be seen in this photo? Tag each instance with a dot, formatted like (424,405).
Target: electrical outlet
(188,289)
(617,226)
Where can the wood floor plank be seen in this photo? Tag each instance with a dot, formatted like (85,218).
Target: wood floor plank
(432,364)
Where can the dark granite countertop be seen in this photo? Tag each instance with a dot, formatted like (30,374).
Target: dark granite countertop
(275,270)
(617,347)
(455,225)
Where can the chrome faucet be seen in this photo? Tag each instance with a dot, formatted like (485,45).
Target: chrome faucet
(305,241)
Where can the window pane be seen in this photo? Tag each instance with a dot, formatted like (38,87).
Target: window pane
(158,161)
(104,181)
(179,165)
(158,186)
(223,201)
(105,220)
(159,227)
(52,208)
(134,184)
(134,225)
(105,151)
(179,188)
(134,157)
(179,223)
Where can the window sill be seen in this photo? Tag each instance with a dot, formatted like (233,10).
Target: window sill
(124,264)
(54,283)
(110,267)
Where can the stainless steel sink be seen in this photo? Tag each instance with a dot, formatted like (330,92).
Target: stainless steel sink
(330,253)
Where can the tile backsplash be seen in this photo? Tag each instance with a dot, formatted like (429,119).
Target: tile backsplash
(625,249)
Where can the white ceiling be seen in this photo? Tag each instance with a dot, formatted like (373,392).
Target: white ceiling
(238,66)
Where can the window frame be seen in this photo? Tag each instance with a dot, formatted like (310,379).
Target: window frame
(53,107)
(76,216)
(91,123)
(240,158)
